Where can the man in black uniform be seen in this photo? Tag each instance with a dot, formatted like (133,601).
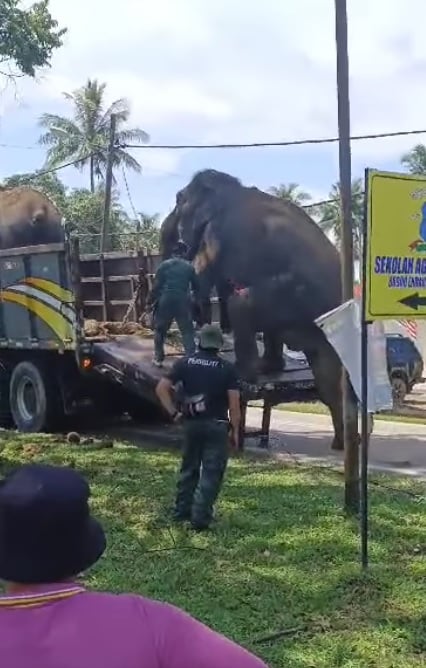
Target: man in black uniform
(210,388)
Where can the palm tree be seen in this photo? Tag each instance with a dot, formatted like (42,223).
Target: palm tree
(415,160)
(84,138)
(291,192)
(328,215)
(150,230)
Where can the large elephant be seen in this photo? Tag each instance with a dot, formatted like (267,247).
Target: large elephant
(28,218)
(288,267)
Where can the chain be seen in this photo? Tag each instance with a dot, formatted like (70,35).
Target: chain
(135,297)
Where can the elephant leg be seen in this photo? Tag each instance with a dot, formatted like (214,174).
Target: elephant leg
(205,311)
(224,292)
(327,370)
(245,346)
(204,306)
(273,360)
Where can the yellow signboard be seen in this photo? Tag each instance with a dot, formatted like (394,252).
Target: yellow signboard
(396,246)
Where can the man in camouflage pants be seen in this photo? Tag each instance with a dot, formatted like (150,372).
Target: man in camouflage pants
(171,300)
(210,388)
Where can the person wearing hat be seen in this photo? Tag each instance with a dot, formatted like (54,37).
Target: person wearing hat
(171,300)
(211,391)
(49,619)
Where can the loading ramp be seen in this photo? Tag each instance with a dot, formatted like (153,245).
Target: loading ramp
(127,361)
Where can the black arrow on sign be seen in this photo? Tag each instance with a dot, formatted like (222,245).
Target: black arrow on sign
(413,301)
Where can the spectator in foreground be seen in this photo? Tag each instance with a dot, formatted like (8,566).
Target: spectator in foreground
(48,619)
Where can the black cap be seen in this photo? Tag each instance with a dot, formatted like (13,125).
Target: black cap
(46,531)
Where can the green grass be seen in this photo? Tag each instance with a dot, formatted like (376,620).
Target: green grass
(317,408)
(282,556)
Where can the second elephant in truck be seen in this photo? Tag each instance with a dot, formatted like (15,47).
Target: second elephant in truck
(28,218)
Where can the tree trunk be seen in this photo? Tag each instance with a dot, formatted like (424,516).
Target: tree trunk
(92,174)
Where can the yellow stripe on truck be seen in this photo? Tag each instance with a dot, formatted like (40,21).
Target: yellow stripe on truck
(54,289)
(57,323)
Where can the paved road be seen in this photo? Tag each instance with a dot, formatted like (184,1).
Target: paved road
(395,446)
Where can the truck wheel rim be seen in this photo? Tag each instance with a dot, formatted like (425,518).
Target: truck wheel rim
(26,399)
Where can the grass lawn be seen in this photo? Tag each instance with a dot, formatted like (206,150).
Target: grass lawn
(282,556)
(317,408)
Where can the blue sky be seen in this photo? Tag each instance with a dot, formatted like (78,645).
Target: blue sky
(230,71)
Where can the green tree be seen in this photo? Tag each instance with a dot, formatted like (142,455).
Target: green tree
(149,230)
(84,212)
(84,138)
(28,37)
(415,160)
(328,215)
(291,192)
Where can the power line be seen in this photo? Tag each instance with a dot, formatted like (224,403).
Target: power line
(320,203)
(18,146)
(128,193)
(32,176)
(266,144)
(263,144)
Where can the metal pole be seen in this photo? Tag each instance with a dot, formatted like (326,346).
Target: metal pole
(365,431)
(108,183)
(342,71)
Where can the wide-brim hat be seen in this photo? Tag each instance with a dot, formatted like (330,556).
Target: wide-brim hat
(46,531)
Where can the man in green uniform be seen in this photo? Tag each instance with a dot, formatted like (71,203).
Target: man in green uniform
(171,300)
(210,388)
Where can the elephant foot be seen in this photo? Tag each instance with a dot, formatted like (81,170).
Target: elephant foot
(338,443)
(270,366)
(249,374)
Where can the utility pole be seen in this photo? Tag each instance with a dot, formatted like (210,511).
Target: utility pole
(345,178)
(108,184)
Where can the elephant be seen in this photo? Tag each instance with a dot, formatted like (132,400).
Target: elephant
(169,236)
(289,271)
(28,218)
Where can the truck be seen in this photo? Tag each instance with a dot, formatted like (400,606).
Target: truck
(54,366)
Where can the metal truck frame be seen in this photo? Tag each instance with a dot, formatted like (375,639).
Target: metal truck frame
(50,370)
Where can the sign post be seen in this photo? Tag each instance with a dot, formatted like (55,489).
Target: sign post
(393,278)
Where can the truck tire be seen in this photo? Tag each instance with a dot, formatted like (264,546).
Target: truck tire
(6,420)
(34,398)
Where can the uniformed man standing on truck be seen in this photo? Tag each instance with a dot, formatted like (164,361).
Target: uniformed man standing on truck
(210,389)
(171,300)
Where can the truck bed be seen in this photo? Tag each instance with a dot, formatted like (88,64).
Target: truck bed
(127,360)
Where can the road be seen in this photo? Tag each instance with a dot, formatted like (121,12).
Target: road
(395,447)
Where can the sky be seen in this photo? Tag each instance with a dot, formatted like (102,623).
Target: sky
(230,71)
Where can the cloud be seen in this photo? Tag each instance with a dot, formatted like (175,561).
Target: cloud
(206,72)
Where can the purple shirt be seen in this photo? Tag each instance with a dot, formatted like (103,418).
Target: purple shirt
(67,626)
